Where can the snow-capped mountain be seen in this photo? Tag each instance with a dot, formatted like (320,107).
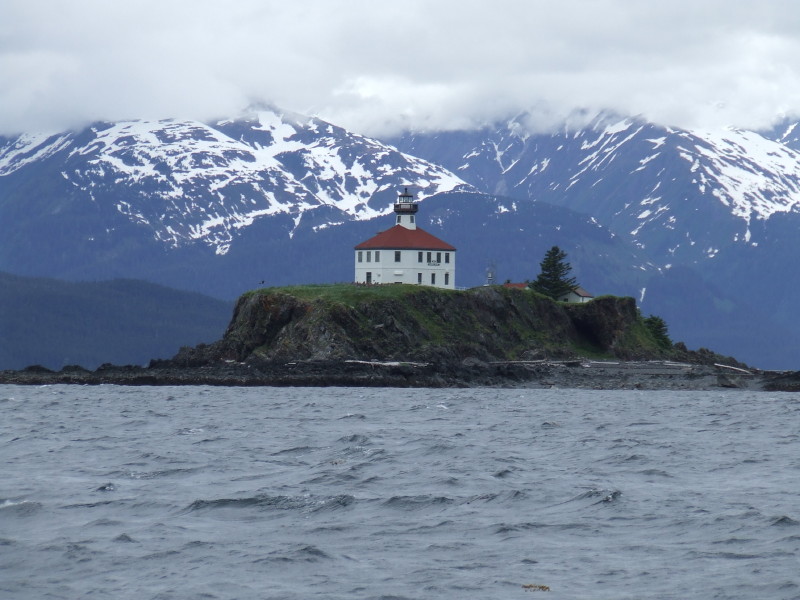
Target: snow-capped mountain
(700,227)
(683,196)
(187,182)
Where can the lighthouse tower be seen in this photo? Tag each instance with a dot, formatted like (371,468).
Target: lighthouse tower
(406,253)
(406,210)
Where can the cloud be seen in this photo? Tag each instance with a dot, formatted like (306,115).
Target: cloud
(379,67)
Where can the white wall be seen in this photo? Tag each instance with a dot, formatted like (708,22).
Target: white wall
(574,298)
(386,270)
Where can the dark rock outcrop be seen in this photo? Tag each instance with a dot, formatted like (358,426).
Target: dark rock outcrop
(607,323)
(425,324)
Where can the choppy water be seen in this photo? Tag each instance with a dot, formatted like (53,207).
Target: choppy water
(196,492)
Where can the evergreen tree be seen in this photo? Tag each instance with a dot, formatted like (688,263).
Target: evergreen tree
(554,280)
(658,329)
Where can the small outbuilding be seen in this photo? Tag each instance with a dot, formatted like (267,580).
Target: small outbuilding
(578,294)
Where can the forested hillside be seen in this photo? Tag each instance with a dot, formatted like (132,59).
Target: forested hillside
(55,323)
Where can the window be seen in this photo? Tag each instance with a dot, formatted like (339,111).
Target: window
(433,278)
(438,257)
(419,276)
(447,278)
(360,255)
(398,219)
(412,218)
(377,256)
(419,256)
(429,257)
(447,258)
(369,255)
(397,256)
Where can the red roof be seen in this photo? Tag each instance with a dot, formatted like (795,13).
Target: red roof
(399,238)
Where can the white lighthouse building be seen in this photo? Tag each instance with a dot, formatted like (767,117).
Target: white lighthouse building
(406,253)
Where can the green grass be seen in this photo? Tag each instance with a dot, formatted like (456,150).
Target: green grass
(351,294)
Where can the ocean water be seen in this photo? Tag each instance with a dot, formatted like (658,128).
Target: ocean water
(344,493)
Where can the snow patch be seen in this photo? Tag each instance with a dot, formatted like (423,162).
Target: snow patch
(643,162)
(29,148)
(618,127)
(788,131)
(754,176)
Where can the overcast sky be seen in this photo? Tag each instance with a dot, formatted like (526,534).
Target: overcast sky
(376,66)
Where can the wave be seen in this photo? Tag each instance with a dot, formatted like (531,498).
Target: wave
(353,416)
(190,431)
(295,450)
(302,553)
(784,521)
(356,438)
(501,528)
(657,472)
(503,473)
(20,508)
(728,555)
(159,473)
(105,523)
(416,502)
(601,496)
(510,495)
(268,502)
(635,458)
(91,504)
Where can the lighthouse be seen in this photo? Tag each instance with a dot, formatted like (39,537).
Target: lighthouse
(406,253)
(405,210)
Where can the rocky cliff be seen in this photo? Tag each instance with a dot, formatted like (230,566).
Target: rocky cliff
(417,324)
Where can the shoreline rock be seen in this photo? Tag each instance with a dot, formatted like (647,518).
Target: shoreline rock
(569,374)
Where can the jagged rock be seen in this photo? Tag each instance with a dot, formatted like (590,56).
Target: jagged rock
(605,323)
(485,324)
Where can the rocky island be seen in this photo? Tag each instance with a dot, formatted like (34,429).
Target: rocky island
(410,336)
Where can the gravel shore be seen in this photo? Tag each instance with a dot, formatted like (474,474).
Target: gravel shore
(583,374)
